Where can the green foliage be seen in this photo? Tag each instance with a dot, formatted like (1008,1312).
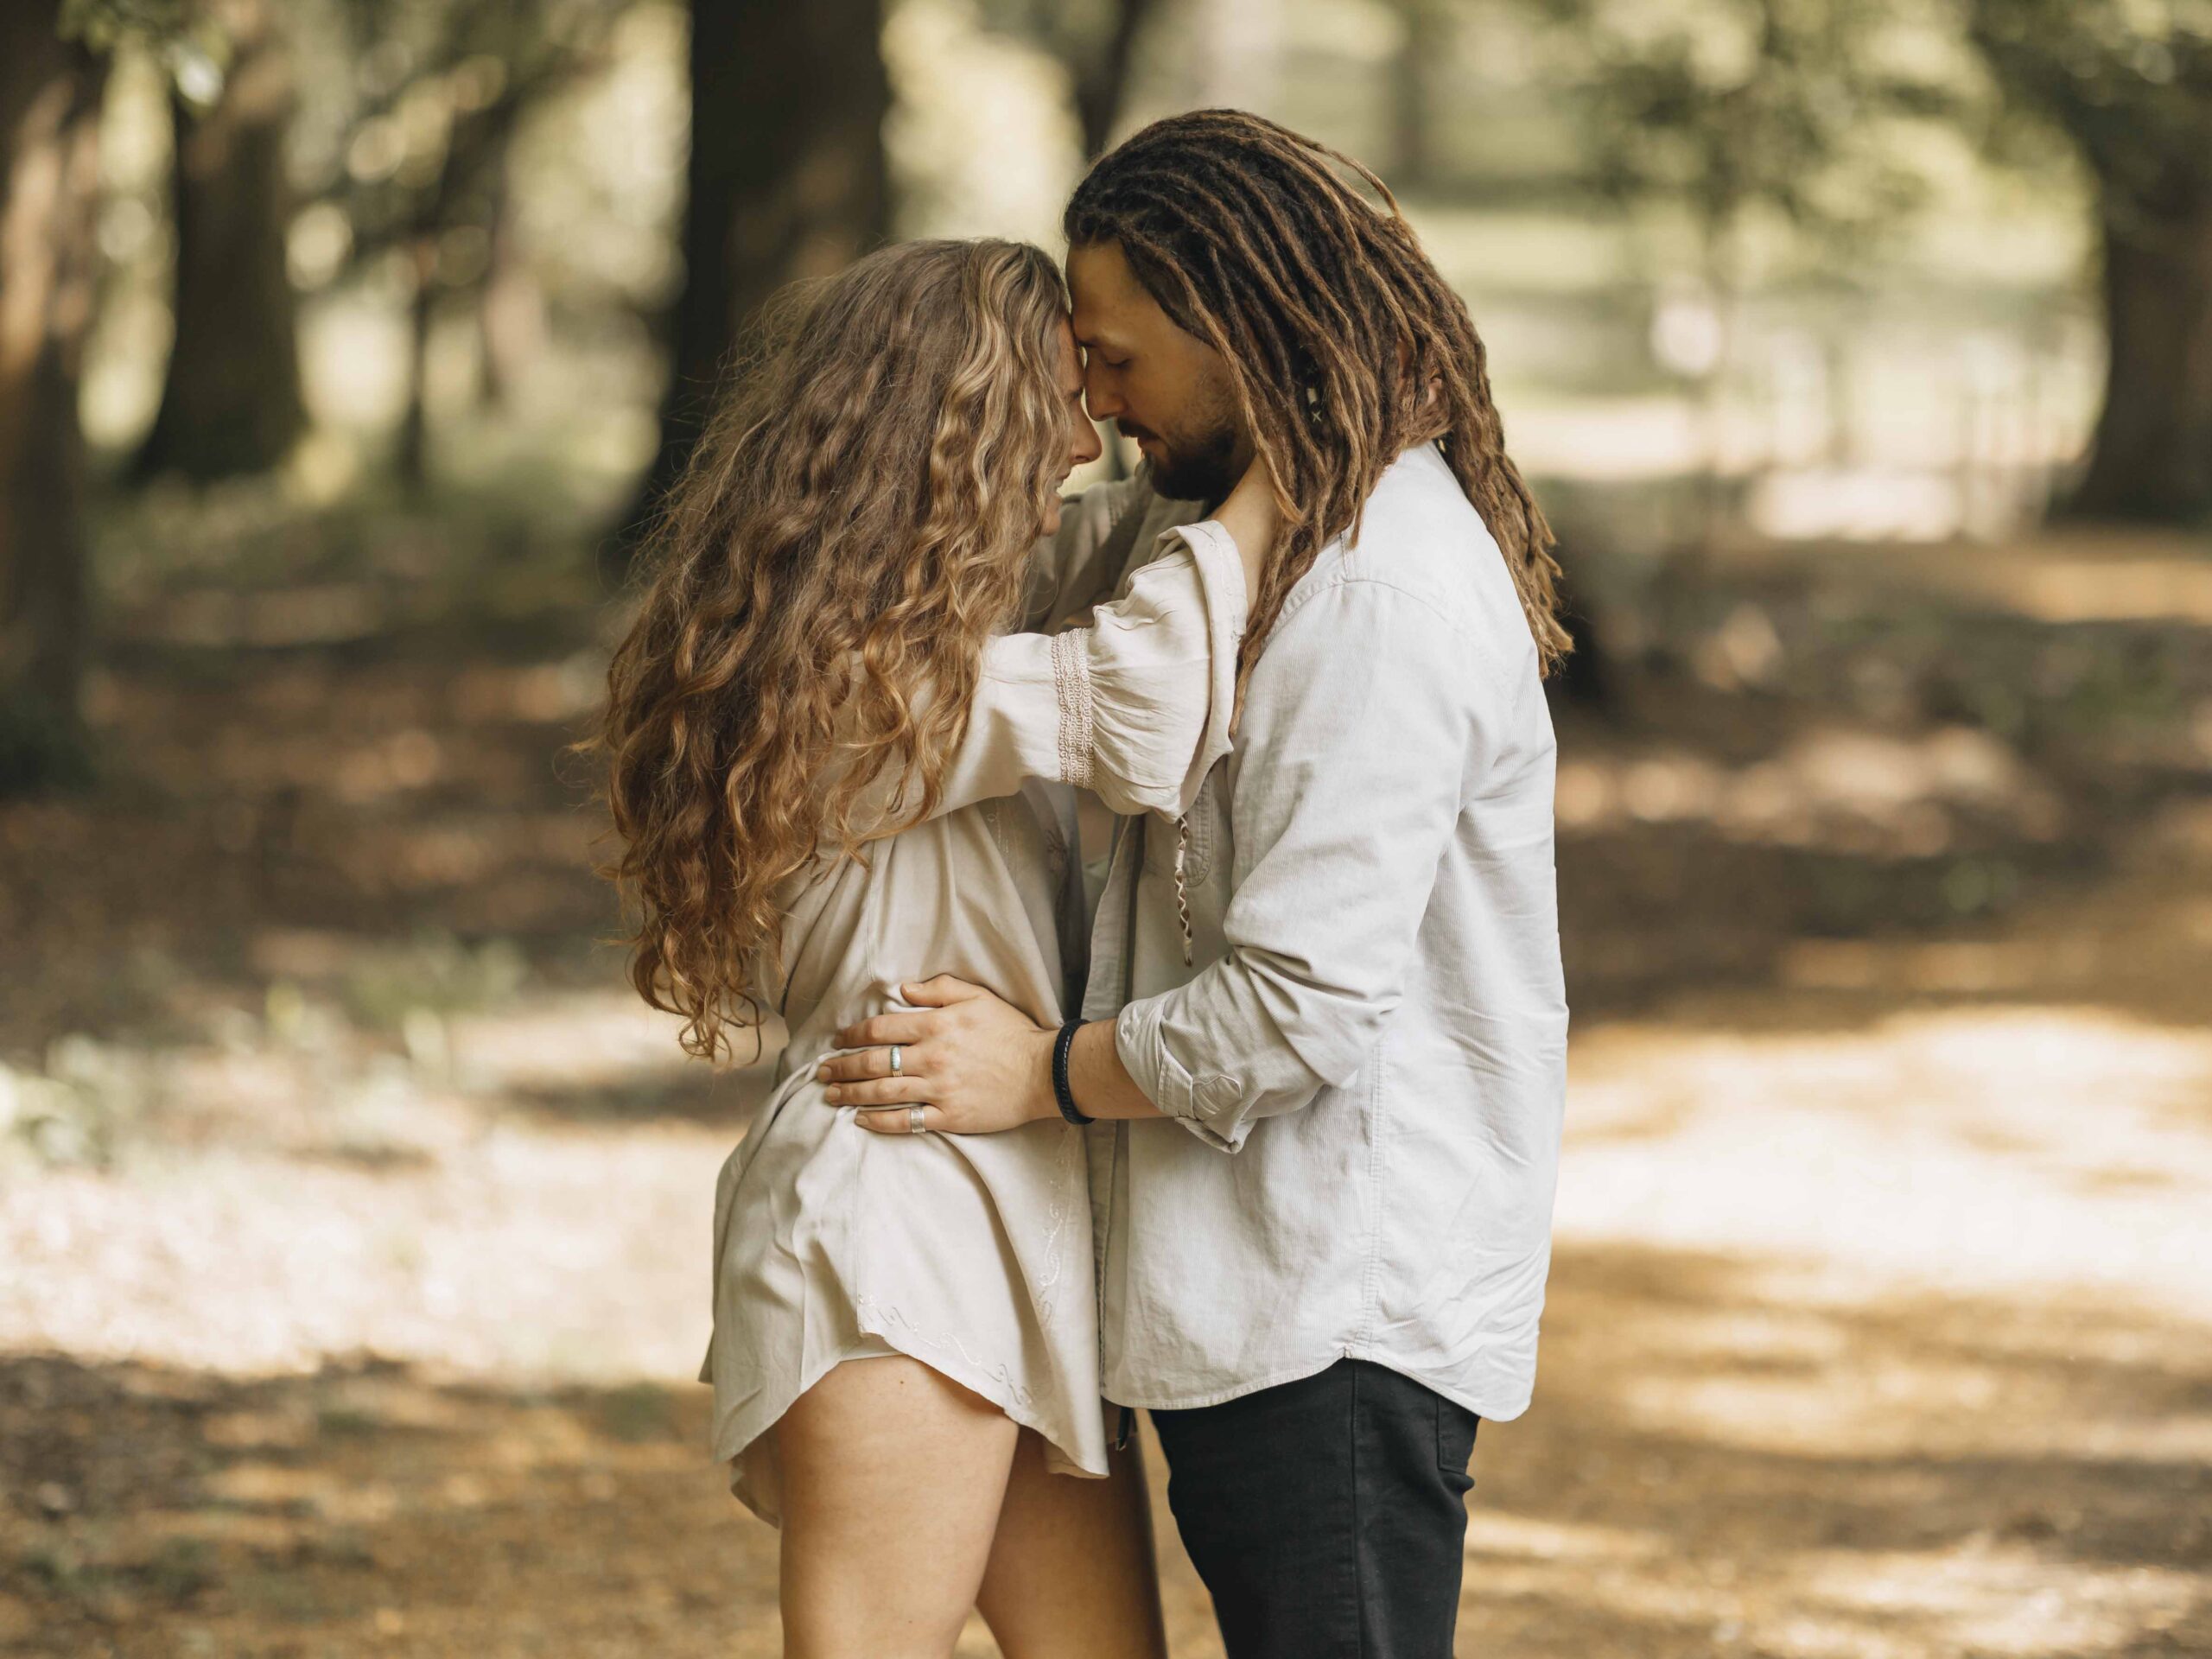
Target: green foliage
(1729,106)
(103,24)
(2128,82)
(1796,104)
(437,972)
(184,40)
(429,97)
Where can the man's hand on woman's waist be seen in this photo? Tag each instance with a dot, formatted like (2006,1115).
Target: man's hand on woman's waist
(974,1063)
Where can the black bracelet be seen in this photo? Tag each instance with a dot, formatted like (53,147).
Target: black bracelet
(1061,1092)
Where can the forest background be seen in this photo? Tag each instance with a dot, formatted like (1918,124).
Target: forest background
(353,1216)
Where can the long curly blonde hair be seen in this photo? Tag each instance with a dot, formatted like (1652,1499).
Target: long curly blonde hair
(854,522)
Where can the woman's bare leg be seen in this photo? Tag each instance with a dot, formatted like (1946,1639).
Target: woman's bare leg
(1071,1574)
(894,1477)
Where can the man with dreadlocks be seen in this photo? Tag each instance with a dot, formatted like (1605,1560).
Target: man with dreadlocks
(1325,1028)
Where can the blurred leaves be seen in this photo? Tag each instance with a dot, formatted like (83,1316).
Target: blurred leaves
(77,1108)
(436,974)
(189,42)
(1786,104)
(433,91)
(103,24)
(1793,104)
(2129,82)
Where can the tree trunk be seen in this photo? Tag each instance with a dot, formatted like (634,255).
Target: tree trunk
(412,460)
(49,113)
(2152,457)
(510,307)
(232,401)
(786,180)
(1421,49)
(1102,81)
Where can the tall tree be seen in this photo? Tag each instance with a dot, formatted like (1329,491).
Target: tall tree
(469,178)
(49,108)
(231,403)
(2130,86)
(786,180)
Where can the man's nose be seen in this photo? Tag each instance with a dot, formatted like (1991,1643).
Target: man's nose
(1098,397)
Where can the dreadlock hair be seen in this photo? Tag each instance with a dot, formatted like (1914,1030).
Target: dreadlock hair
(1336,329)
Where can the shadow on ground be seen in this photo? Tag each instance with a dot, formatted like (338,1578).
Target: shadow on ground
(327,1050)
(1709,1470)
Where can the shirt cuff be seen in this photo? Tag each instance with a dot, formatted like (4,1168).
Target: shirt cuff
(1209,1105)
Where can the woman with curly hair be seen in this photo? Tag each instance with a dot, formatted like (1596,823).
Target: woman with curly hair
(818,736)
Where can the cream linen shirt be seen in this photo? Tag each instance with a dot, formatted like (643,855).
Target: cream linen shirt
(1364,1071)
(971,1253)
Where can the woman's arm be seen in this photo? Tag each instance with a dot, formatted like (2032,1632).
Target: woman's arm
(1135,706)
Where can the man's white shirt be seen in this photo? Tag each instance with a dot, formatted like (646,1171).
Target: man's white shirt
(1364,1063)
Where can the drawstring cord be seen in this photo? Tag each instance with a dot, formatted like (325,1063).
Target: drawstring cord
(1182,889)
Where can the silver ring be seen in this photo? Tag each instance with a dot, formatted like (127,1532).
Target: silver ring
(914,1124)
(898,1063)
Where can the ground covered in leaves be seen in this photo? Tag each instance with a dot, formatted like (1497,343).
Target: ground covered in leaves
(352,1220)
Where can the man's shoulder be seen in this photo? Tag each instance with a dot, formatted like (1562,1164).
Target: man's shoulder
(1426,571)
(1420,535)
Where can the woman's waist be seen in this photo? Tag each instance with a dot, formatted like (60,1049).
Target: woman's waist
(853,996)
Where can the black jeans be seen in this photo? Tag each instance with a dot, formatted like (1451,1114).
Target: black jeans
(1327,1516)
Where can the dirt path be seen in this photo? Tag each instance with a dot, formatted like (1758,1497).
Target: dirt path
(352,1281)
(1863,1342)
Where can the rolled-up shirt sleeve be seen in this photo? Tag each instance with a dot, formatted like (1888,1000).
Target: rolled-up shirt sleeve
(1360,726)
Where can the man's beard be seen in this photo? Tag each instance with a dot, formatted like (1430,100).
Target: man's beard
(1205,470)
(1194,466)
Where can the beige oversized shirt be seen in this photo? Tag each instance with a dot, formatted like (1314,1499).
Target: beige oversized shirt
(1364,1069)
(970,1252)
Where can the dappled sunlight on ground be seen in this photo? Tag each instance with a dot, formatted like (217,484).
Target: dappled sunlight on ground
(531,1194)
(355,1215)
(1991,1148)
(1724,1458)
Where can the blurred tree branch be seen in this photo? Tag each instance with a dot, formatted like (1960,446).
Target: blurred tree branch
(440,88)
(1424,45)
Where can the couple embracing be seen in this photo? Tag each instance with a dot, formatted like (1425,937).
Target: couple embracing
(1261,1137)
